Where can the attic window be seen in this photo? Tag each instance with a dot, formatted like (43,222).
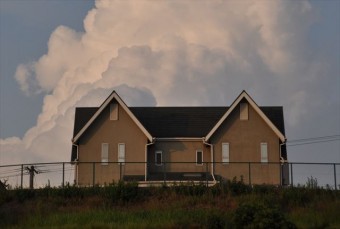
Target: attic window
(113,111)
(243,111)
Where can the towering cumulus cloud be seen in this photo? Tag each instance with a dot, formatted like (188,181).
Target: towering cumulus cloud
(168,53)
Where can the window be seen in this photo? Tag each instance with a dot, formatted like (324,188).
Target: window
(105,153)
(199,157)
(113,111)
(264,152)
(243,111)
(121,152)
(158,158)
(225,153)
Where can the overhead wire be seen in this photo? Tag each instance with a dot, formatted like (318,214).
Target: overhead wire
(307,141)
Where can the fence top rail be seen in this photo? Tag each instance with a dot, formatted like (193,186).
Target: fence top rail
(169,162)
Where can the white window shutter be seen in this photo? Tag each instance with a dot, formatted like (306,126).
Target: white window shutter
(121,152)
(264,152)
(105,153)
(225,152)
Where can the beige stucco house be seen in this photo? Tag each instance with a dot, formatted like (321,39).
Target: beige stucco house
(149,144)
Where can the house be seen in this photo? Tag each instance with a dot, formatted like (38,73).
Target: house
(115,142)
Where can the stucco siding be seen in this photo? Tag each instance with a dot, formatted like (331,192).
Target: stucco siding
(113,132)
(245,138)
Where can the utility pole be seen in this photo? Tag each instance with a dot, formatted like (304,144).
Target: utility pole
(31,171)
(3,185)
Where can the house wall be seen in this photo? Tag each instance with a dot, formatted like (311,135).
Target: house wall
(244,138)
(179,151)
(104,130)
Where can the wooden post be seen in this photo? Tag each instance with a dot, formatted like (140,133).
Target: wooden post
(31,171)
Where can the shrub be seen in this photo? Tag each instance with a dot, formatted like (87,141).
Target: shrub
(24,194)
(264,189)
(238,187)
(260,216)
(215,221)
(312,182)
(190,189)
(297,196)
(124,192)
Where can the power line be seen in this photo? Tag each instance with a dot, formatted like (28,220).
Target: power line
(315,138)
(313,142)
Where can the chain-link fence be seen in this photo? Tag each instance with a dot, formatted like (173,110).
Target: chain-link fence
(59,174)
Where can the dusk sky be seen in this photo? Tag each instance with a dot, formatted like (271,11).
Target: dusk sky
(56,55)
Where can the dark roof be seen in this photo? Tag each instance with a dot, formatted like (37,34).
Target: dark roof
(275,115)
(170,122)
(82,116)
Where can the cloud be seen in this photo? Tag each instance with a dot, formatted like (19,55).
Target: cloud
(25,77)
(172,53)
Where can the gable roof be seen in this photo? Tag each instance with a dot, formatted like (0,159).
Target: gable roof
(171,122)
(252,103)
(93,114)
(179,122)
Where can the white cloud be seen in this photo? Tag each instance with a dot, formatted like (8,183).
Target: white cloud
(169,53)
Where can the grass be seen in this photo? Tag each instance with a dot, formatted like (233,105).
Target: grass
(229,205)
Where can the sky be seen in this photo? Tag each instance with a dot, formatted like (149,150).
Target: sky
(56,55)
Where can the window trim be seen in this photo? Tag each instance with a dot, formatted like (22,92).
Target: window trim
(202,162)
(104,160)
(161,153)
(264,152)
(225,162)
(121,160)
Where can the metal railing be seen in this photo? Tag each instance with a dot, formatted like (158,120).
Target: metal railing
(58,174)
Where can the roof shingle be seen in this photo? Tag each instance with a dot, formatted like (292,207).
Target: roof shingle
(167,122)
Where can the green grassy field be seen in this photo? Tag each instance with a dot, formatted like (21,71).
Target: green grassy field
(230,205)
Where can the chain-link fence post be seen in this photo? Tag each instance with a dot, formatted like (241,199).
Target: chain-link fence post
(93,173)
(63,183)
(249,172)
(335,185)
